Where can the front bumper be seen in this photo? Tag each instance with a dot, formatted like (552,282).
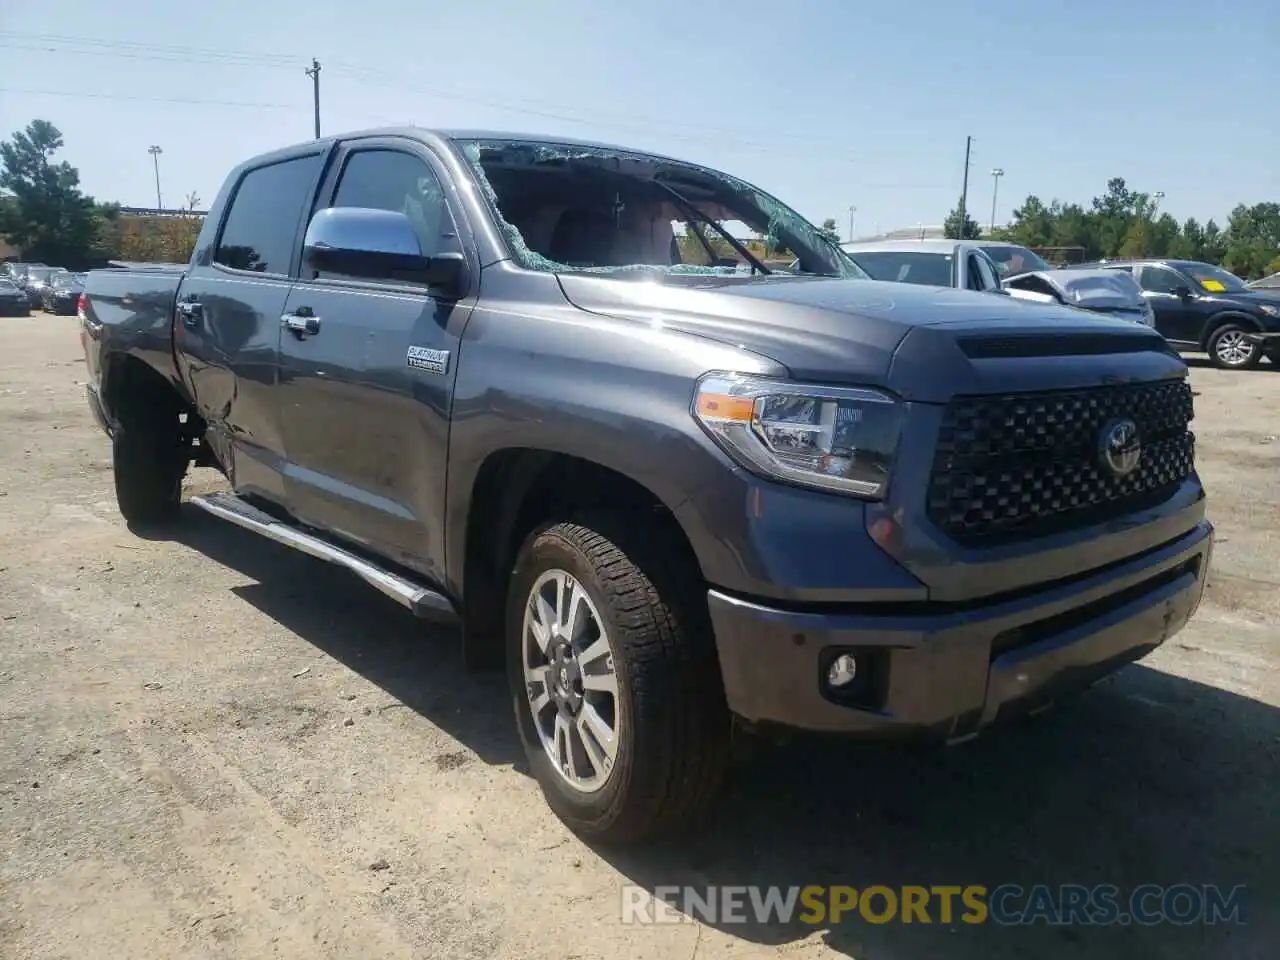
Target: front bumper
(947,670)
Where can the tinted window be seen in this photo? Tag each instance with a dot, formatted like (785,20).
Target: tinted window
(402,183)
(1160,280)
(260,231)
(928,269)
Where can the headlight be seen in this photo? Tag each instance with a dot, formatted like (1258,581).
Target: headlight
(1269,310)
(833,438)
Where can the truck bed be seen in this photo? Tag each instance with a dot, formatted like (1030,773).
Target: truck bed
(129,311)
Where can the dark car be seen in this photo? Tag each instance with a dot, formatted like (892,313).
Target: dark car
(13,300)
(62,292)
(680,494)
(16,270)
(34,282)
(1201,307)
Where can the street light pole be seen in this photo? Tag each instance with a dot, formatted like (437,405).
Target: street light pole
(996,174)
(155,152)
(964,190)
(1157,196)
(852,211)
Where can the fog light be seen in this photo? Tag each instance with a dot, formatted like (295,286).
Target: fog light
(842,671)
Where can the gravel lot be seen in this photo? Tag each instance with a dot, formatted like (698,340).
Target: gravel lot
(215,747)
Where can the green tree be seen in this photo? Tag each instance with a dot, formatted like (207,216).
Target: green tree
(48,218)
(954,230)
(1253,239)
(830,230)
(1213,247)
(1189,244)
(1164,236)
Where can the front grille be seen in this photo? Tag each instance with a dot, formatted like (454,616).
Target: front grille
(1018,466)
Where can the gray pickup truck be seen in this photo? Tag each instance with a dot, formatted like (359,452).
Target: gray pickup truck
(544,389)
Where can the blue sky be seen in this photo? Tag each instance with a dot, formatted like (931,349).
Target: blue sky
(824,103)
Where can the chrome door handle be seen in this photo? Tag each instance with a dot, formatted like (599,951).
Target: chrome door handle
(302,325)
(191,311)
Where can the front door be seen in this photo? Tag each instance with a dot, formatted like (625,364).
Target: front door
(1176,318)
(367,372)
(227,328)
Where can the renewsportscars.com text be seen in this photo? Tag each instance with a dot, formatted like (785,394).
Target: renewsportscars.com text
(1005,905)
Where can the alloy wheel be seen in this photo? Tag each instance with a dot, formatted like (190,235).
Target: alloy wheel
(1233,348)
(570,680)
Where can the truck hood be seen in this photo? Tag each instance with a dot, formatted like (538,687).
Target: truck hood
(1103,290)
(924,343)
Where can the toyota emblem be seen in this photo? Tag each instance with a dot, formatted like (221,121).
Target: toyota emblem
(1120,447)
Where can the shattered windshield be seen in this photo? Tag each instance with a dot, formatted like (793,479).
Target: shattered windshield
(572,208)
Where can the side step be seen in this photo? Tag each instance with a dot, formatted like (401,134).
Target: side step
(422,601)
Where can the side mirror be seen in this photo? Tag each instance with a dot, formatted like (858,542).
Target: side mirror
(378,245)
(1182,293)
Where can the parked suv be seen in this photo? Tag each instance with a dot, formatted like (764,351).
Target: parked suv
(1202,307)
(543,388)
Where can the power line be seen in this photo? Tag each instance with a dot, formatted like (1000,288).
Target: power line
(78,94)
(168,53)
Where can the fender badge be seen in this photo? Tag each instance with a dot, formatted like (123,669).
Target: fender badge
(425,358)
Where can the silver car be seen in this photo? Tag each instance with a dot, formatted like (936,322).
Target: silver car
(996,267)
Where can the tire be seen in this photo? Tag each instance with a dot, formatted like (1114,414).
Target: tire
(148,461)
(1229,351)
(671,726)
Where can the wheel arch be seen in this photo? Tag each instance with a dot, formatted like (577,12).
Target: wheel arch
(1221,319)
(128,380)
(515,490)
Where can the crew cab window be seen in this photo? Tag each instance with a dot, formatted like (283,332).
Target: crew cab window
(261,228)
(402,183)
(1160,280)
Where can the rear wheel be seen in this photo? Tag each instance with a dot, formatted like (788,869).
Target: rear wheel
(1231,348)
(149,458)
(615,681)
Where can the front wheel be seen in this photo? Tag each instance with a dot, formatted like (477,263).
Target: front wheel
(1232,348)
(615,681)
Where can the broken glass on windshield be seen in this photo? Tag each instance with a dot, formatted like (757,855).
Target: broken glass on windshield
(579,208)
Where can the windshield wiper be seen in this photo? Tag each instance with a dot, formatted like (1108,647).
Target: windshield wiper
(692,212)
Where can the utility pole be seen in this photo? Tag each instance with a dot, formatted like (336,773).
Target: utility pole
(155,152)
(852,211)
(964,191)
(996,174)
(314,74)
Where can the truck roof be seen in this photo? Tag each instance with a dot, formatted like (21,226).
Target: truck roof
(437,135)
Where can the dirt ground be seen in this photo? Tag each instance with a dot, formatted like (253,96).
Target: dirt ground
(215,747)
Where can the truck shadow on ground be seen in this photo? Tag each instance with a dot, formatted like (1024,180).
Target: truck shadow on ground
(1148,778)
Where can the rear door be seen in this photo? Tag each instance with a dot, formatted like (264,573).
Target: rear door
(227,332)
(365,418)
